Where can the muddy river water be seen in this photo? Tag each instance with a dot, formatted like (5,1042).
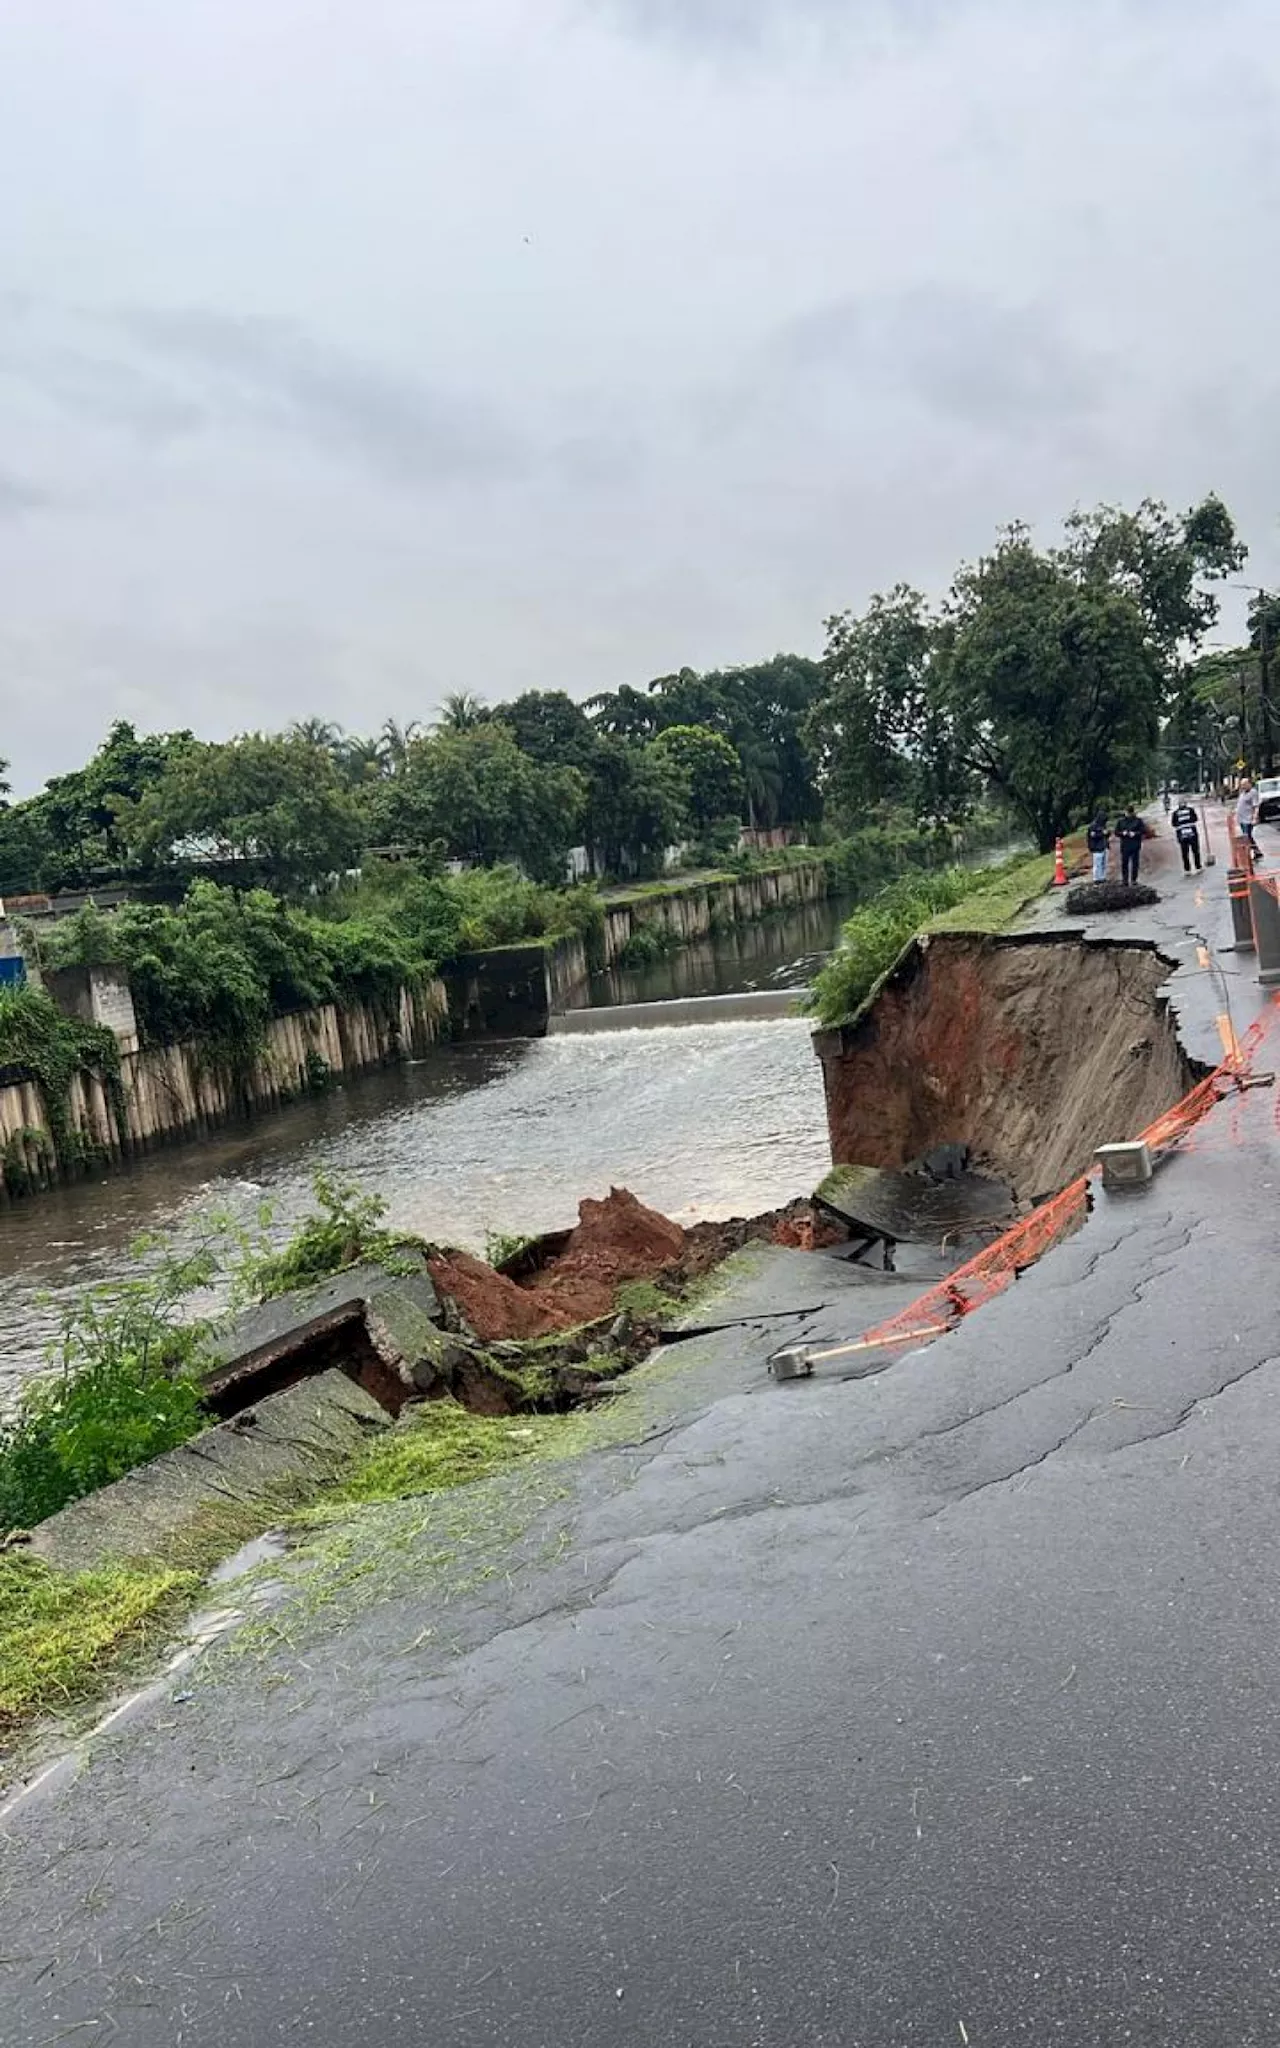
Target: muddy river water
(701,1120)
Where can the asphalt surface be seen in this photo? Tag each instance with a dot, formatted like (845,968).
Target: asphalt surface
(939,1705)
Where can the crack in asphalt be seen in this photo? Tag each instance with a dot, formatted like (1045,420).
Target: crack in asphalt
(1005,1478)
(1201,1401)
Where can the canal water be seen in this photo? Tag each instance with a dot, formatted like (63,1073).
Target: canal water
(701,1120)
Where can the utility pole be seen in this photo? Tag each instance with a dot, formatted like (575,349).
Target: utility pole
(1264,689)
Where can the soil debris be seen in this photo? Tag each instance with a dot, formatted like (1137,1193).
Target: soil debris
(575,1279)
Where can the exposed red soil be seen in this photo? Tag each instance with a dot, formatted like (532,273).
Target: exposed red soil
(616,1240)
(494,1306)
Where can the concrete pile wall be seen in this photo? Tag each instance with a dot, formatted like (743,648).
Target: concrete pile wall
(683,916)
(173,1092)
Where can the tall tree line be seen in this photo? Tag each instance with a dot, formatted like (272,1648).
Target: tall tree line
(1046,679)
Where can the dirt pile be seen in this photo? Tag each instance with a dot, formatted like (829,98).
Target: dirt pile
(490,1303)
(616,1240)
(575,1278)
(1031,1051)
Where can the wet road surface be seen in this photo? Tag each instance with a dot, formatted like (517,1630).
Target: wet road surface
(937,1705)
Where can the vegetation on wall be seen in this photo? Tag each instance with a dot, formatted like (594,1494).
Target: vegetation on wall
(36,1040)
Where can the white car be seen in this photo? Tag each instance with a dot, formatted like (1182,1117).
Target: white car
(1269,799)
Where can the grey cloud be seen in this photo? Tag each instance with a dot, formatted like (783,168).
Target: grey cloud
(999,368)
(272,375)
(72,361)
(18,498)
(816,294)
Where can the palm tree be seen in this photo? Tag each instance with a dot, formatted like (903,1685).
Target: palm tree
(359,760)
(394,742)
(318,732)
(461,712)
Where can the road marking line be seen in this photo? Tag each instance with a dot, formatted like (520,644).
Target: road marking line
(1202,955)
(1230,1043)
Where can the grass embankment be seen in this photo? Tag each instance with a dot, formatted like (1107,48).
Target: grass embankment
(62,1633)
(125,1386)
(952,899)
(997,908)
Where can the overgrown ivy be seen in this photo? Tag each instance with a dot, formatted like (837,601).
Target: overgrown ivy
(38,1043)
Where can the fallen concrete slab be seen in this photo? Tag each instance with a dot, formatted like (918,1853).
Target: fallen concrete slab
(301,1334)
(281,1448)
(913,1208)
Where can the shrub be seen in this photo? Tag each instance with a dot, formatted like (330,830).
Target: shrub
(877,933)
(346,1230)
(124,1387)
(36,1038)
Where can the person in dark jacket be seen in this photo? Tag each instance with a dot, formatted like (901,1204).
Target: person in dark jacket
(1130,831)
(1098,839)
(1185,820)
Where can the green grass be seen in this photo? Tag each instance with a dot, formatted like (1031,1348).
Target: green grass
(645,1300)
(949,899)
(440,1445)
(61,1632)
(998,908)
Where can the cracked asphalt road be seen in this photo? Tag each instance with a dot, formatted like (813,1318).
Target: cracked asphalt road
(934,1706)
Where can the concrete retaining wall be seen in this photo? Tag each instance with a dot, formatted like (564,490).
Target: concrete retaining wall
(678,917)
(511,991)
(173,1092)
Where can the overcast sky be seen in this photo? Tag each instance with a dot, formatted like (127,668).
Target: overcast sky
(355,351)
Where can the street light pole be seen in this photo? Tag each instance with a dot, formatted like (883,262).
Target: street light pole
(1264,690)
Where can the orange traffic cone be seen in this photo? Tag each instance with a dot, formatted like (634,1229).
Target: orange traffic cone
(1059,866)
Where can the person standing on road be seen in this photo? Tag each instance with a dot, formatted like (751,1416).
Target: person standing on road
(1097,839)
(1186,825)
(1130,831)
(1246,816)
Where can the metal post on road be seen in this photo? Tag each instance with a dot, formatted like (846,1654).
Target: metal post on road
(1241,918)
(1264,906)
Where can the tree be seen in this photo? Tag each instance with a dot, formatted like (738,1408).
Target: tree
(394,742)
(274,807)
(1264,640)
(762,709)
(862,730)
(360,761)
(484,800)
(549,727)
(461,712)
(769,706)
(71,832)
(1051,687)
(710,764)
(1045,675)
(637,805)
(318,732)
(625,713)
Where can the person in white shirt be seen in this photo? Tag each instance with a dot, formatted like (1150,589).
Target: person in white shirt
(1246,814)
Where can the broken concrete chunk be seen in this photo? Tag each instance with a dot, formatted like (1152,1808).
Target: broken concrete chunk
(297,1440)
(266,1340)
